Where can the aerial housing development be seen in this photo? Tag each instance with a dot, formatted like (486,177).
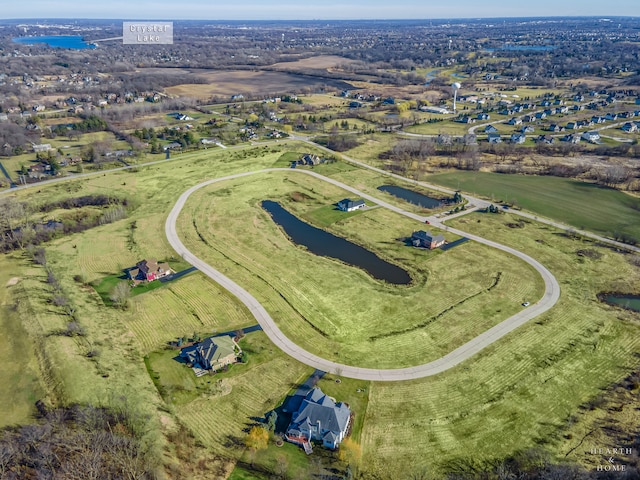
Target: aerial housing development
(320,249)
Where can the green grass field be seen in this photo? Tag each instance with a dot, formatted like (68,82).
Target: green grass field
(20,370)
(520,392)
(582,205)
(336,310)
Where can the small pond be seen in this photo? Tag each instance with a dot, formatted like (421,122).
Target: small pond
(411,196)
(630,302)
(326,244)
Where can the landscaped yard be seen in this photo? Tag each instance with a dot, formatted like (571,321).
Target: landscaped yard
(178,384)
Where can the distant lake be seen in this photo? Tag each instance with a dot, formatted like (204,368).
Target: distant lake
(411,196)
(59,41)
(326,244)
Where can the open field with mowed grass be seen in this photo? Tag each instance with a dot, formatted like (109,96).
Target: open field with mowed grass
(582,205)
(121,338)
(521,391)
(20,371)
(339,311)
(518,393)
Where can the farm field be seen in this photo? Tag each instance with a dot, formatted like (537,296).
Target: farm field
(244,82)
(521,392)
(336,310)
(582,205)
(447,126)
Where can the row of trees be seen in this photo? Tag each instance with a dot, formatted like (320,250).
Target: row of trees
(18,229)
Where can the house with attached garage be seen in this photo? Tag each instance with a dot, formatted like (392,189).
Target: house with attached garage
(148,270)
(319,418)
(212,353)
(426,239)
(348,205)
(494,138)
(518,138)
(592,136)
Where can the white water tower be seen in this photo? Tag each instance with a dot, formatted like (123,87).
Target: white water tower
(456,86)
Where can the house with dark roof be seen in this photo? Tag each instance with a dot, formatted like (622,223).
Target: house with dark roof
(490,129)
(319,418)
(348,205)
(309,159)
(148,270)
(426,239)
(494,138)
(211,354)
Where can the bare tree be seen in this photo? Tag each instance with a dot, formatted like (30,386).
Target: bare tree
(120,294)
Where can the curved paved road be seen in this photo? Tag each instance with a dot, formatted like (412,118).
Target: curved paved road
(550,297)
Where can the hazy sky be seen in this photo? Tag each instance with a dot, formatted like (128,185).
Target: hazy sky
(312,9)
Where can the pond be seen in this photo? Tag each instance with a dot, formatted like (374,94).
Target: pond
(59,41)
(410,196)
(326,244)
(630,302)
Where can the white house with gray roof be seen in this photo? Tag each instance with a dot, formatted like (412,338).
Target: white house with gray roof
(319,418)
(348,205)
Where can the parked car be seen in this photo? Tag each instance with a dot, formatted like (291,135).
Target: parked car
(526,304)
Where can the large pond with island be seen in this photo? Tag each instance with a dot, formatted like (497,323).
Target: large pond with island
(326,244)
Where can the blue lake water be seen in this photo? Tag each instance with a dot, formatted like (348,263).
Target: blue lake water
(411,196)
(61,41)
(326,244)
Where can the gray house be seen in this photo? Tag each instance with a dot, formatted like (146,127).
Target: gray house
(212,353)
(319,418)
(426,240)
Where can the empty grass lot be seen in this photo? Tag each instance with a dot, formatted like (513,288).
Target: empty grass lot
(582,205)
(20,370)
(520,392)
(336,310)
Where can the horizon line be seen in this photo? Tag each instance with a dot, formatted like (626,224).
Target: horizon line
(603,17)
